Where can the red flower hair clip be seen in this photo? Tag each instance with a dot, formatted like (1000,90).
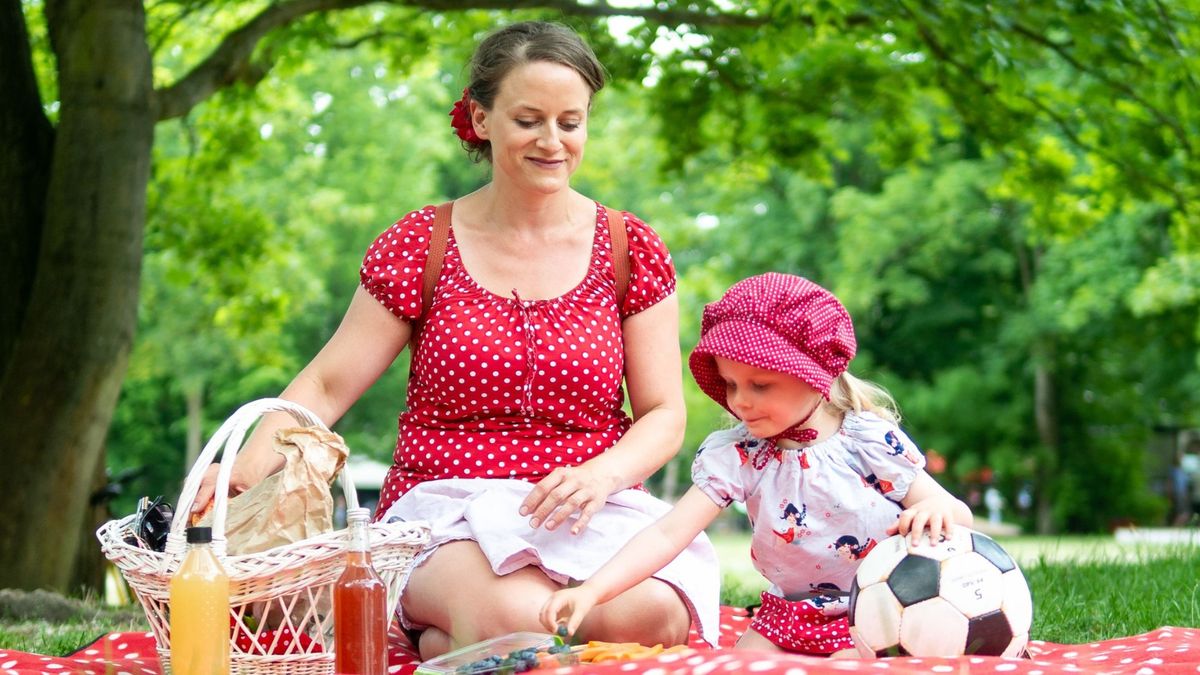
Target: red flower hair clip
(460,118)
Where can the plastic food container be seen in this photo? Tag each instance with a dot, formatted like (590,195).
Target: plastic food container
(471,659)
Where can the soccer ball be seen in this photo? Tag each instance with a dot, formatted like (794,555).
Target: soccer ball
(964,595)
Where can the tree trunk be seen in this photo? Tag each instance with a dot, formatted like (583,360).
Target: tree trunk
(1045,412)
(67,353)
(194,393)
(88,573)
(26,141)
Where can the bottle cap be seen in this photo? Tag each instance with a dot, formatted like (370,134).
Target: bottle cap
(199,535)
(359,515)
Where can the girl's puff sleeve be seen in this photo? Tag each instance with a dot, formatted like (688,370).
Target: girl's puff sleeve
(887,458)
(394,265)
(717,468)
(651,271)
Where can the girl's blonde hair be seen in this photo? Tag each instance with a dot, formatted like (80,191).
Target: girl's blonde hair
(848,393)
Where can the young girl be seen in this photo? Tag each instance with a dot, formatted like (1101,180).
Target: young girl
(818,460)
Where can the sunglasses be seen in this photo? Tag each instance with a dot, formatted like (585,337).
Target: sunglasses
(151,524)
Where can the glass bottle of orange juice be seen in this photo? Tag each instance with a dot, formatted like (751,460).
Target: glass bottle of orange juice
(199,606)
(360,620)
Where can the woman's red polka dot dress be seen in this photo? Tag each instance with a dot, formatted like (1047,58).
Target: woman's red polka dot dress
(503,387)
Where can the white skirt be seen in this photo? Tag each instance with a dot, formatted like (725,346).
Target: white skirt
(486,512)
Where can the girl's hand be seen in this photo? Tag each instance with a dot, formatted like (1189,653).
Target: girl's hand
(568,606)
(935,513)
(929,505)
(567,491)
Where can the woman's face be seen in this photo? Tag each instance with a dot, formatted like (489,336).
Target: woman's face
(537,126)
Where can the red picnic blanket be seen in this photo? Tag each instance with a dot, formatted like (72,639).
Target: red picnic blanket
(1165,651)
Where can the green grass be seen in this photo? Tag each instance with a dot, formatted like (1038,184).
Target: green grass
(1089,600)
(1084,588)
(54,638)
(44,623)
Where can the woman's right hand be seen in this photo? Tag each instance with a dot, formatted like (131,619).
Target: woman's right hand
(239,482)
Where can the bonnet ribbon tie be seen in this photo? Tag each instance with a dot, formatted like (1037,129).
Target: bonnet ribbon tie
(799,432)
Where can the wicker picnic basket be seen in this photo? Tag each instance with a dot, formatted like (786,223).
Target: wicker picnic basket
(280,599)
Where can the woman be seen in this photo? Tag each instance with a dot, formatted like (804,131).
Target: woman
(514,447)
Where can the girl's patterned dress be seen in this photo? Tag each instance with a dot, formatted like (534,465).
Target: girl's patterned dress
(815,512)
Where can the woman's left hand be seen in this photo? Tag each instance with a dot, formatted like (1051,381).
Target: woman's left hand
(565,492)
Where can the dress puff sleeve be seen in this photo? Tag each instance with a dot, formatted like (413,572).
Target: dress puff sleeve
(884,455)
(717,469)
(651,271)
(394,266)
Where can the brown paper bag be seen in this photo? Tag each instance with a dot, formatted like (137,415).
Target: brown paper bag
(292,504)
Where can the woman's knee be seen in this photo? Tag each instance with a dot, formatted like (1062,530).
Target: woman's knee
(649,613)
(456,591)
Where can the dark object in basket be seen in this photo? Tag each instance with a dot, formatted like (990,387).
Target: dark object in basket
(152,524)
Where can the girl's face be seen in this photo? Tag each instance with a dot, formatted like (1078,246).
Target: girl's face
(768,402)
(537,126)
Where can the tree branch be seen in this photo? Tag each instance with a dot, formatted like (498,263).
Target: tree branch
(228,62)
(1169,25)
(1104,77)
(1064,126)
(660,13)
(160,36)
(375,35)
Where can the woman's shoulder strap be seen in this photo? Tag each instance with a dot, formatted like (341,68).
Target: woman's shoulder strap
(620,252)
(439,238)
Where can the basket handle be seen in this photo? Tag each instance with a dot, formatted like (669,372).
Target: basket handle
(231,434)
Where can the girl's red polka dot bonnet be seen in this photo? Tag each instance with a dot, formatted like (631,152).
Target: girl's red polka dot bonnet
(778,322)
